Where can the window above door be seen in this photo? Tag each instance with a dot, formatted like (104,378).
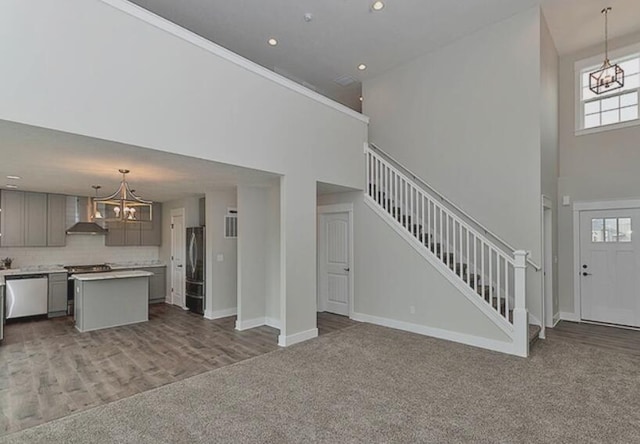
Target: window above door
(616,109)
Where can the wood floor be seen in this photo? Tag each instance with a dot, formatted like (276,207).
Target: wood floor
(602,336)
(49,370)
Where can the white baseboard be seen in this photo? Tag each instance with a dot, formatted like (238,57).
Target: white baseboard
(249,323)
(476,341)
(568,316)
(220,313)
(272,322)
(285,341)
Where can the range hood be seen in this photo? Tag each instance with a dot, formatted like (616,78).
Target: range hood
(81,209)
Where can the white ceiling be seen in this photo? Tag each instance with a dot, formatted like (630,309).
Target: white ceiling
(56,162)
(578,24)
(341,35)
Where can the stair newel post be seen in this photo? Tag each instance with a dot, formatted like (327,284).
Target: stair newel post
(520,314)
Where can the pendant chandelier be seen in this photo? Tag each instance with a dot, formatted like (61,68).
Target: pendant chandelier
(609,77)
(123,205)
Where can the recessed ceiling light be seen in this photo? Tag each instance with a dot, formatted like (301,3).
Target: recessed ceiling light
(272,41)
(14,177)
(377,6)
(12,186)
(362,67)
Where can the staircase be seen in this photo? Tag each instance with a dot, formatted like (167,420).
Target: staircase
(492,277)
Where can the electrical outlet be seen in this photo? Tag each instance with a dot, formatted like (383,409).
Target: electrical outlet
(412,310)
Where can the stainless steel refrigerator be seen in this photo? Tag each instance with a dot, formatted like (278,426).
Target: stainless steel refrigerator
(195,272)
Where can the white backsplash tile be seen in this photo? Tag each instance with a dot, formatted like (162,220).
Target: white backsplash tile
(79,250)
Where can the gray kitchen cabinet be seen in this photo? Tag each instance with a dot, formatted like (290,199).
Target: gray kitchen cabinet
(32,219)
(57,294)
(12,218)
(56,220)
(133,234)
(115,235)
(202,207)
(136,234)
(35,220)
(151,232)
(157,284)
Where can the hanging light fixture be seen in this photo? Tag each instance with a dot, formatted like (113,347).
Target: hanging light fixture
(123,205)
(96,214)
(609,77)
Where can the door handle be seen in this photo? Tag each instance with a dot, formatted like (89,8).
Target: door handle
(179,266)
(346,269)
(584,273)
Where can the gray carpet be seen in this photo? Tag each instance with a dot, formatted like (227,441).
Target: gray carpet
(372,385)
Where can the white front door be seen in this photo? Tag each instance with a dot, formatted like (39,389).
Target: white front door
(177,257)
(335,263)
(609,267)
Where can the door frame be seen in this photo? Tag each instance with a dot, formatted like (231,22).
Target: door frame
(178,212)
(547,265)
(332,209)
(578,207)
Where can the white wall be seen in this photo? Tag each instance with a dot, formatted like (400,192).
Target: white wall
(252,256)
(273,265)
(549,78)
(222,276)
(466,118)
(147,87)
(593,167)
(390,277)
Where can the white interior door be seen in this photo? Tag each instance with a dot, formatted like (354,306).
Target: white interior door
(178,248)
(335,263)
(610,266)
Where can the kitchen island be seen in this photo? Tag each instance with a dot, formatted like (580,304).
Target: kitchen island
(110,299)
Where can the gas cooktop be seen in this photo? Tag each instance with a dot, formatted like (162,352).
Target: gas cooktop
(77,269)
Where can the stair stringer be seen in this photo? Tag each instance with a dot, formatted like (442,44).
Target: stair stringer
(444,270)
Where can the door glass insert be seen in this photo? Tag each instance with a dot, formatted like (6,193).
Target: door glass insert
(624,229)
(611,229)
(597,233)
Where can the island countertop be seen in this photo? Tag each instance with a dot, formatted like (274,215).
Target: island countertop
(111,275)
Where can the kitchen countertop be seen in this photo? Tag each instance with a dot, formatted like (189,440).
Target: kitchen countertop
(129,265)
(45,269)
(111,275)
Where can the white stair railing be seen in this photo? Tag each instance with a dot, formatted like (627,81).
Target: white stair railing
(487,271)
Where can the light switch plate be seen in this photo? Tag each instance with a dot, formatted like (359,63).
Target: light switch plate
(220,257)
(566,200)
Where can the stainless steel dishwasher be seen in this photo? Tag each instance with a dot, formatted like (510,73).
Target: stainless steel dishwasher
(26,295)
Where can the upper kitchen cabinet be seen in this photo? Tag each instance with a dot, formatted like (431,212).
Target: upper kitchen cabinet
(57,220)
(12,218)
(35,220)
(151,232)
(136,234)
(32,219)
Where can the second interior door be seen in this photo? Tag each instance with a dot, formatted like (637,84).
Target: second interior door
(335,259)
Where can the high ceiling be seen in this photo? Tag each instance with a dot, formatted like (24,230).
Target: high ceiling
(57,162)
(341,34)
(578,24)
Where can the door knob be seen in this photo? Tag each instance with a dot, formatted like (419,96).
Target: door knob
(346,269)
(586,274)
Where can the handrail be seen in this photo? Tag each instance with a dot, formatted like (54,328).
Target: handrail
(443,198)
